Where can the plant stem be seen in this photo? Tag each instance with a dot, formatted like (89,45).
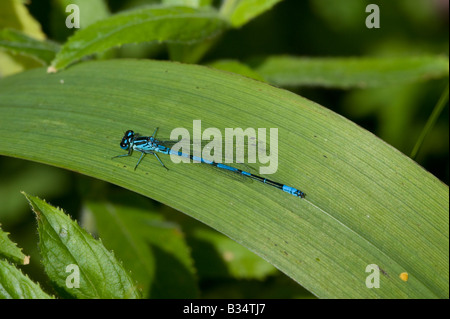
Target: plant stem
(431,121)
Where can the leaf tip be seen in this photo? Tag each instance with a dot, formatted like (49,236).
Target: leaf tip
(30,200)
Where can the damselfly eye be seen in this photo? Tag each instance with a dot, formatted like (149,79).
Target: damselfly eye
(124,144)
(126,140)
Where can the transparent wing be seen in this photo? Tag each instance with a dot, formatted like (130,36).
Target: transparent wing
(221,152)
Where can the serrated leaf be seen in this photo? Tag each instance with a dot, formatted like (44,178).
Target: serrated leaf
(34,178)
(71,257)
(9,250)
(18,43)
(345,73)
(90,10)
(140,236)
(15,285)
(86,13)
(14,14)
(163,24)
(366,202)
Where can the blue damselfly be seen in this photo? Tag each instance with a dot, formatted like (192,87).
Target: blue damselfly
(132,141)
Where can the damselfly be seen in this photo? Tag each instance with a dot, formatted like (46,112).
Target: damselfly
(132,141)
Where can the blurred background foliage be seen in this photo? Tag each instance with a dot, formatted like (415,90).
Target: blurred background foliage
(314,28)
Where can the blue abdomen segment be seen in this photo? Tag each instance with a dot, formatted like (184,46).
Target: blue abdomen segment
(293,191)
(228,168)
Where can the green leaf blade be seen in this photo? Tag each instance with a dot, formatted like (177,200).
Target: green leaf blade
(67,249)
(345,73)
(366,202)
(139,235)
(163,24)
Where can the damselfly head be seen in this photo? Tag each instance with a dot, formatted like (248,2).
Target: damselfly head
(126,140)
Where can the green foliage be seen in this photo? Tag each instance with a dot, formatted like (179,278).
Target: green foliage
(14,15)
(237,67)
(141,25)
(345,73)
(240,264)
(141,238)
(239,12)
(431,122)
(336,158)
(16,42)
(190,3)
(9,250)
(90,11)
(63,243)
(15,285)
(366,202)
